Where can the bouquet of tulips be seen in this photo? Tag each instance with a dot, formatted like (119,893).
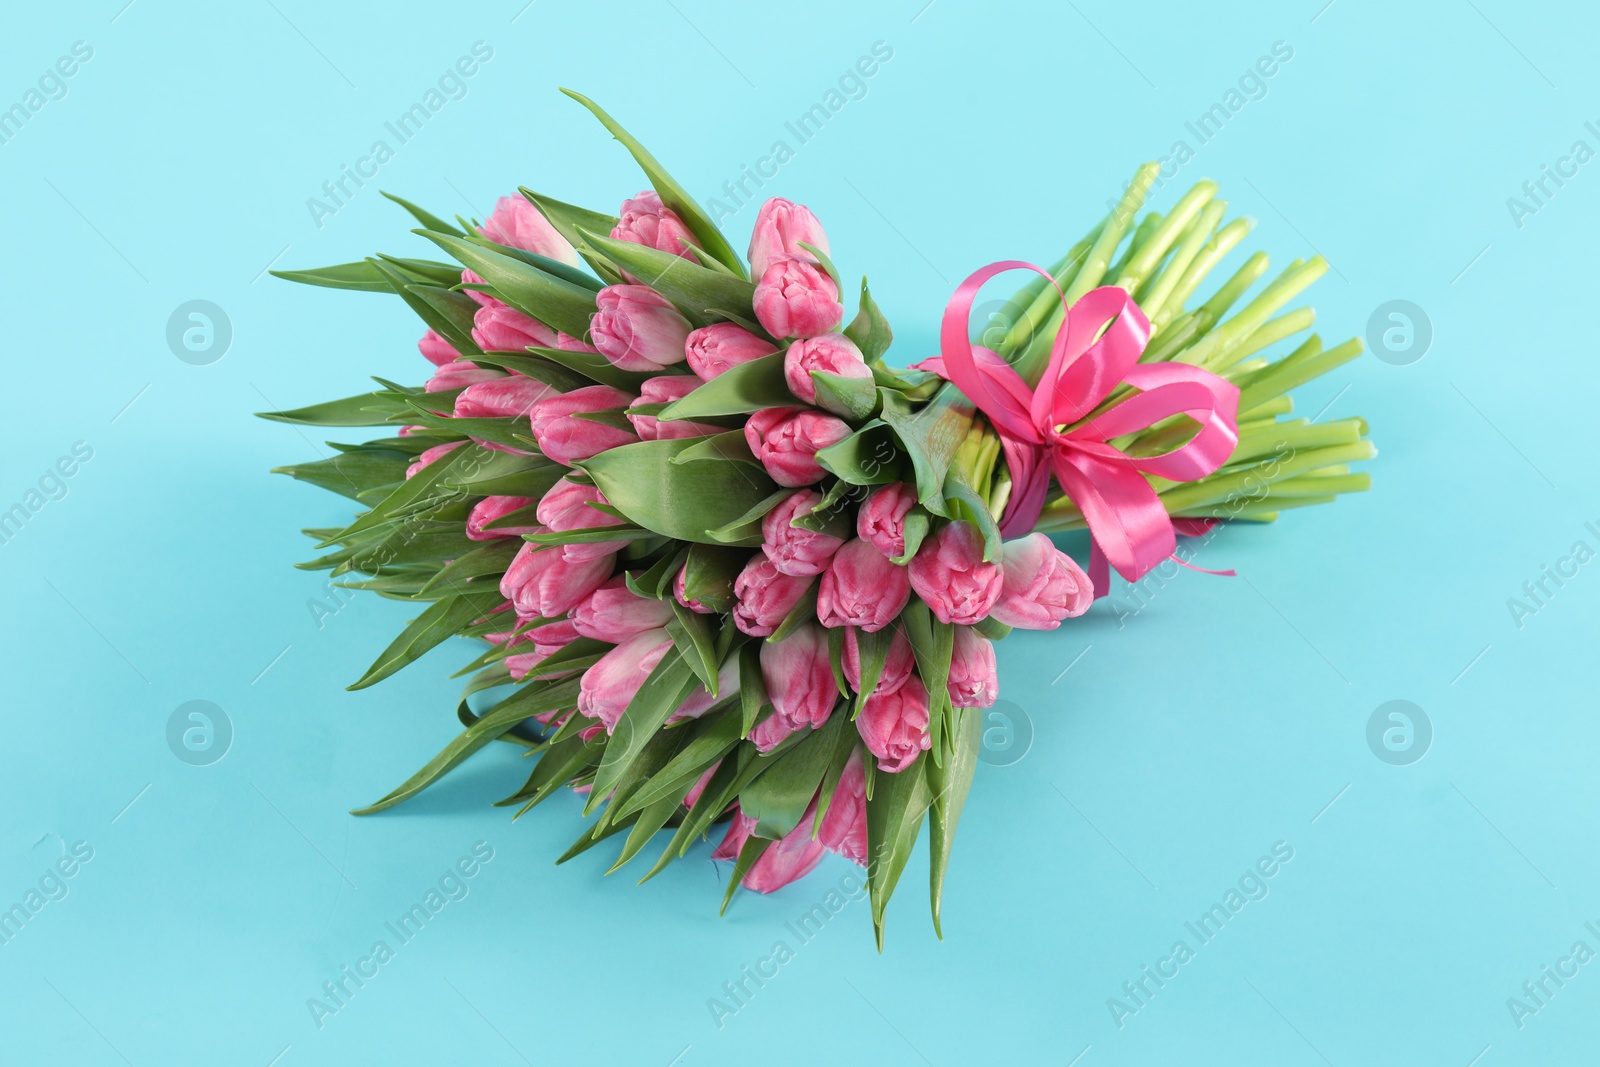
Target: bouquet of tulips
(728,565)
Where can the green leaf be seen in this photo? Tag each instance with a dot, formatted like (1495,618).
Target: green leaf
(668,685)
(714,737)
(424,218)
(672,194)
(748,387)
(447,326)
(594,366)
(568,219)
(554,374)
(870,456)
(992,628)
(441,620)
(680,500)
(691,636)
(484,561)
(931,435)
(895,809)
(872,650)
(869,329)
(778,798)
(517,708)
(696,291)
(364,276)
(730,446)
(350,473)
(853,399)
(365,409)
(455,307)
(650,821)
(966,505)
(949,786)
(752,688)
(746,529)
(560,268)
(709,573)
(748,855)
(553,301)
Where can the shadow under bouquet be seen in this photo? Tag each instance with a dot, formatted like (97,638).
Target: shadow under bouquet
(729,566)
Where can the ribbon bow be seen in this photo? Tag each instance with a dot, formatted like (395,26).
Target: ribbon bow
(1055,428)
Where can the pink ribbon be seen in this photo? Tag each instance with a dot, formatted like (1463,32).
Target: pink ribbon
(1048,430)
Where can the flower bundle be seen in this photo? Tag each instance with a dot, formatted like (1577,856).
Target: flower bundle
(727,564)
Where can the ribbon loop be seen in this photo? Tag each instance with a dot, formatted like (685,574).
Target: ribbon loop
(1059,428)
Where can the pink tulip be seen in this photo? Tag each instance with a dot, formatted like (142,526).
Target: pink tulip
(973,681)
(544,583)
(896,666)
(895,725)
(680,596)
(493,508)
(614,613)
(663,390)
(547,640)
(949,573)
(764,596)
(607,687)
(1042,586)
(502,398)
(567,439)
(501,328)
(792,857)
(796,298)
(459,374)
(780,228)
(844,825)
(701,701)
(832,353)
(795,550)
(517,223)
(882,519)
(692,798)
(645,221)
(799,677)
(723,345)
(436,349)
(787,440)
(638,329)
(432,455)
(470,277)
(862,588)
(565,507)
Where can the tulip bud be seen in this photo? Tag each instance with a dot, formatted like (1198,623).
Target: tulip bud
(547,640)
(545,583)
(565,507)
(567,439)
(862,588)
(715,348)
(949,574)
(833,353)
(795,550)
(764,596)
(606,688)
(516,222)
(646,221)
(614,613)
(882,519)
(637,328)
(432,455)
(973,680)
(493,508)
(499,327)
(458,375)
(799,676)
(436,349)
(793,856)
(502,398)
(663,390)
(1042,585)
(781,226)
(895,725)
(796,298)
(896,666)
(844,826)
(787,440)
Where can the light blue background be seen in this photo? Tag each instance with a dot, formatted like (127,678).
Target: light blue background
(1225,716)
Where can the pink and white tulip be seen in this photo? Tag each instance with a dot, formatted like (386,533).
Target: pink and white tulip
(567,439)
(894,725)
(614,613)
(973,681)
(609,686)
(882,519)
(795,550)
(638,329)
(787,440)
(664,389)
(492,509)
(644,220)
(545,583)
(1042,585)
(716,348)
(517,223)
(832,353)
(862,588)
(796,298)
(949,573)
(764,596)
(781,226)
